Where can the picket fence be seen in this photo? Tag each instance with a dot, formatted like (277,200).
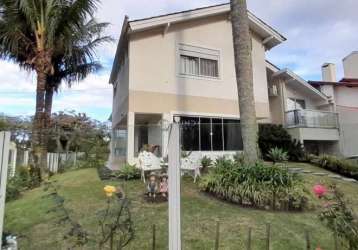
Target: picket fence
(57,160)
(4,164)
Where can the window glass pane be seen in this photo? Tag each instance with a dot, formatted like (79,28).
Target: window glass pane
(189,133)
(209,67)
(232,135)
(189,65)
(217,136)
(300,104)
(119,142)
(291,104)
(205,138)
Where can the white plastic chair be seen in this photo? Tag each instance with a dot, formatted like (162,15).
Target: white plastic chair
(148,162)
(191,164)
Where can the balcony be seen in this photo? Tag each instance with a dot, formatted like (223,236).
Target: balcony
(312,125)
(311,119)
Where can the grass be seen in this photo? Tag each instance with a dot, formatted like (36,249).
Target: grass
(82,190)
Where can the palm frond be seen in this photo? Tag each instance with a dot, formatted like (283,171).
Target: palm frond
(71,33)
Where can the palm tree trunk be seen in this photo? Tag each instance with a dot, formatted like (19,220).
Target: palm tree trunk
(48,111)
(39,149)
(48,105)
(244,77)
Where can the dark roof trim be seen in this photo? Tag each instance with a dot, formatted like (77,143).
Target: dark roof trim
(345,82)
(349,80)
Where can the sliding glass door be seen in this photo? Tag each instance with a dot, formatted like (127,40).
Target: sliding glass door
(210,134)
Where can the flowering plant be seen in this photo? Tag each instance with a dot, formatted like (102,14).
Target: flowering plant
(115,220)
(319,190)
(339,217)
(109,190)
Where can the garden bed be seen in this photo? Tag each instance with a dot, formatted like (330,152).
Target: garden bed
(256,185)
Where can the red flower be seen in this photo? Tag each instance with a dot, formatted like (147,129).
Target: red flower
(319,190)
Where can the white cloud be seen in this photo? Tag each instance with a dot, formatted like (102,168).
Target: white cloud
(318,31)
(94,92)
(14,79)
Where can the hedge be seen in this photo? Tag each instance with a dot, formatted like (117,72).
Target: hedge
(340,166)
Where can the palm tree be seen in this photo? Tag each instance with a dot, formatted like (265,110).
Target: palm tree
(80,63)
(244,77)
(57,40)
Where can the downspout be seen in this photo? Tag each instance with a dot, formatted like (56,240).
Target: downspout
(283,100)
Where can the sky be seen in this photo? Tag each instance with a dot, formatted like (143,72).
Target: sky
(317,31)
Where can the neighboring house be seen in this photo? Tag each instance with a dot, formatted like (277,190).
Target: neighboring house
(307,113)
(344,97)
(182,65)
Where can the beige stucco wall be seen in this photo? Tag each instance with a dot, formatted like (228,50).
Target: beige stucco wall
(155,102)
(347,108)
(350,65)
(276,103)
(316,134)
(154,69)
(294,92)
(346,96)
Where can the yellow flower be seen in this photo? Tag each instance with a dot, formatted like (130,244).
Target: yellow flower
(109,190)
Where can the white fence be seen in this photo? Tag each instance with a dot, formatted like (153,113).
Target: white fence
(4,164)
(55,160)
(52,162)
(12,159)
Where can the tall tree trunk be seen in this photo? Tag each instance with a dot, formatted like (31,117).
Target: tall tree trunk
(38,150)
(48,110)
(244,77)
(43,67)
(48,104)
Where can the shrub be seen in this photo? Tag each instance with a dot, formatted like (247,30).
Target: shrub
(90,162)
(255,185)
(128,172)
(24,176)
(239,157)
(341,166)
(271,136)
(13,189)
(277,155)
(105,173)
(339,216)
(18,183)
(205,163)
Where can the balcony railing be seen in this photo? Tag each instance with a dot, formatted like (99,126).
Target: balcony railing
(311,119)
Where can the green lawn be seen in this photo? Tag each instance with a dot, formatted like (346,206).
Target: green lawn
(83,193)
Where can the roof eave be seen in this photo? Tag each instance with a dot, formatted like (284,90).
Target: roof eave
(292,75)
(259,26)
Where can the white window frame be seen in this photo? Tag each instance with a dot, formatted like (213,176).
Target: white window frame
(222,118)
(294,99)
(200,52)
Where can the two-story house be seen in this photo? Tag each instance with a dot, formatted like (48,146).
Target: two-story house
(344,98)
(182,65)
